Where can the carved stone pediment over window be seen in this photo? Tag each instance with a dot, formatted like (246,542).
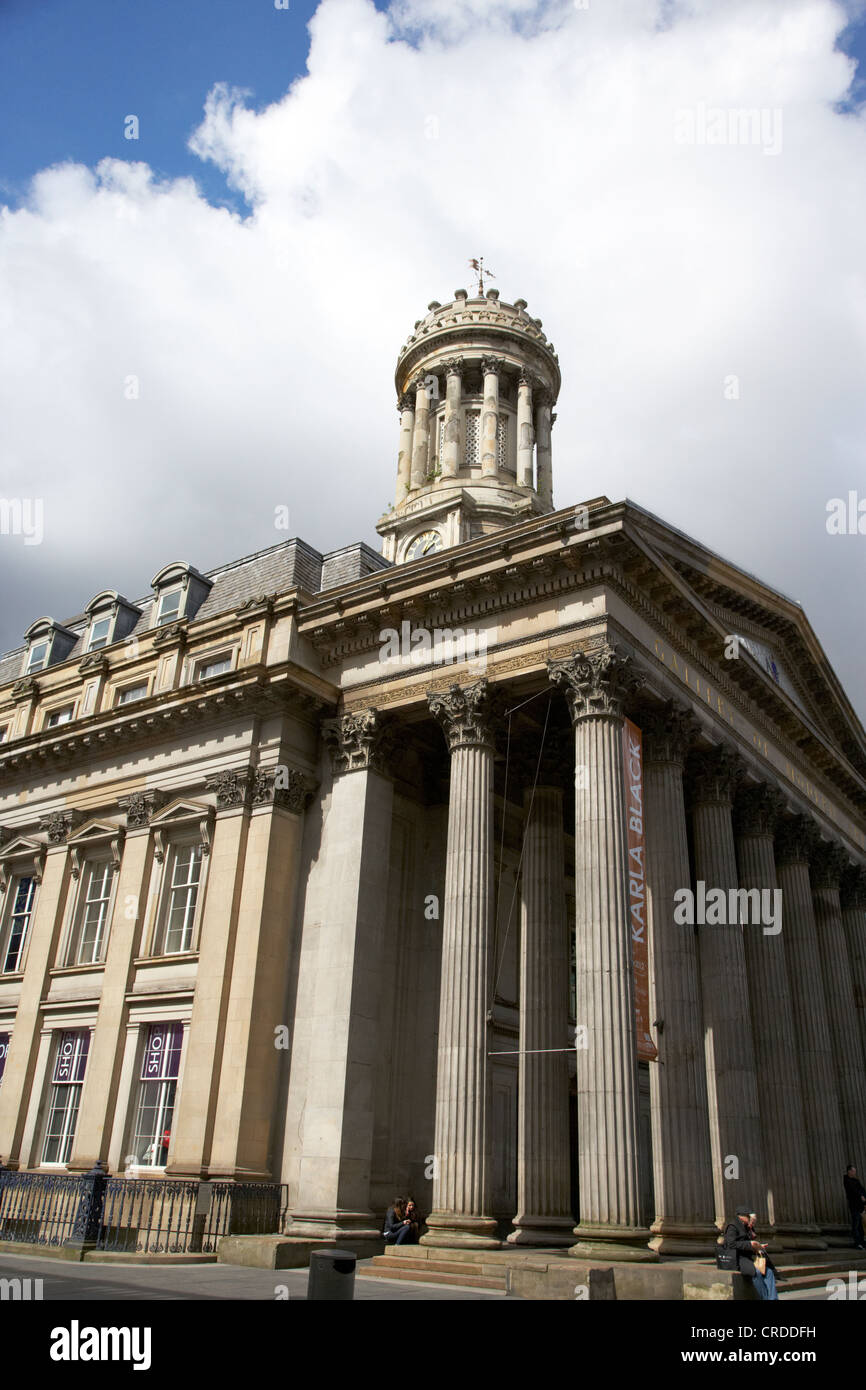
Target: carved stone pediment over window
(173,634)
(232,787)
(359,742)
(181,816)
(141,807)
(25,689)
(21,854)
(282,786)
(96,834)
(60,825)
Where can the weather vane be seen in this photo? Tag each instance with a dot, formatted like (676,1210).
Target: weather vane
(478,267)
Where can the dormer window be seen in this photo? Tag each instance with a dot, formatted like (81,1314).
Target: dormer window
(111,618)
(47,644)
(180,592)
(37,657)
(169,607)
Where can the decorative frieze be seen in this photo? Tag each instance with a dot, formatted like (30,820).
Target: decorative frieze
(757,811)
(464,712)
(140,807)
(359,742)
(597,684)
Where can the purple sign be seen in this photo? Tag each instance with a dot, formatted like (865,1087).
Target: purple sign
(71,1056)
(4,1048)
(161,1059)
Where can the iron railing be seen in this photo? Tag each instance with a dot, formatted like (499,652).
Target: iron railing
(152,1216)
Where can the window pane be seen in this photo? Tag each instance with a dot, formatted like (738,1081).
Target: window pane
(19,922)
(159,1070)
(93,923)
(36,657)
(132,692)
(169,606)
(186,870)
(70,1063)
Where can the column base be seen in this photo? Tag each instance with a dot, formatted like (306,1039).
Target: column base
(445,1229)
(684,1237)
(354,1225)
(612,1243)
(836,1236)
(541,1230)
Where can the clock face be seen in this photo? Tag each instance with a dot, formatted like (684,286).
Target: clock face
(426,544)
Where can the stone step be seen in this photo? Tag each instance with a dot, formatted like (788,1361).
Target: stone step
(431,1272)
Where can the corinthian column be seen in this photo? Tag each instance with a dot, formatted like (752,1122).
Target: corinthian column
(462,1169)
(543,457)
(597,685)
(421,434)
(491,367)
(828,864)
(794,841)
(786,1156)
(404,456)
(682,1165)
(543,1156)
(732,1090)
(450,461)
(853,899)
(525,432)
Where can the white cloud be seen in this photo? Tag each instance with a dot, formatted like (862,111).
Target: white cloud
(541,135)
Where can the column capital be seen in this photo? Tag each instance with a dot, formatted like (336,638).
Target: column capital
(141,807)
(359,742)
(405,402)
(59,825)
(528,378)
(715,776)
(758,810)
(421,383)
(828,863)
(853,888)
(668,732)
(453,366)
(795,840)
(492,366)
(597,683)
(465,713)
(232,787)
(283,786)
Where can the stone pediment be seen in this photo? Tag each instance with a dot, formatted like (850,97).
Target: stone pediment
(21,852)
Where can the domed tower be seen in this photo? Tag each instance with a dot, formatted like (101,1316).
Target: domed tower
(476,384)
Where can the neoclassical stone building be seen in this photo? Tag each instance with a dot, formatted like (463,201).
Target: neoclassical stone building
(367,872)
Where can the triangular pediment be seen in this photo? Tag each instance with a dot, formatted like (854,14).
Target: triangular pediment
(21,845)
(181,809)
(94,830)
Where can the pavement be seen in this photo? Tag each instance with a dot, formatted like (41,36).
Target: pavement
(72,1282)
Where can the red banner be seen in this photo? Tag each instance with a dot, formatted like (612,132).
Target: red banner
(633,760)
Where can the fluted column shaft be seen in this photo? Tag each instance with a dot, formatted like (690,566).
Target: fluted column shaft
(404,455)
(490,418)
(827,868)
(786,1156)
(543,453)
(543,1155)
(732,1090)
(420,436)
(682,1164)
(597,685)
(814,1049)
(462,1171)
(450,461)
(854,922)
(525,433)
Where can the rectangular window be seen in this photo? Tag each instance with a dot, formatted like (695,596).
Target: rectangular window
(4,730)
(91,924)
(18,922)
(185,869)
(69,1066)
(132,693)
(59,716)
(213,666)
(157,1086)
(473,438)
(4,1052)
(100,633)
(169,607)
(37,657)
